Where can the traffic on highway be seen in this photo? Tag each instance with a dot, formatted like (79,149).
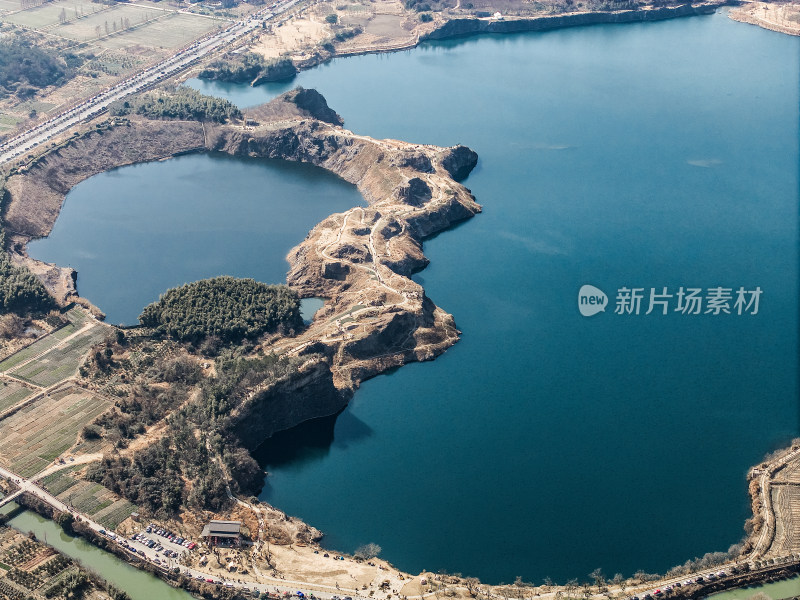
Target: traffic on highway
(91,107)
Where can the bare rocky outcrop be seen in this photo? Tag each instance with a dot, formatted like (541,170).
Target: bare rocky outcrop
(314,105)
(472,25)
(459,162)
(376,317)
(306,394)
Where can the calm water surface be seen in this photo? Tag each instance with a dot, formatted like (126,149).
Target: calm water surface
(545,443)
(134,232)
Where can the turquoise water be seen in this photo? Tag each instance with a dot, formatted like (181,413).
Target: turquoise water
(308,307)
(134,232)
(138,584)
(545,443)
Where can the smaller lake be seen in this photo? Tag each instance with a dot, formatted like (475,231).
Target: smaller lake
(134,232)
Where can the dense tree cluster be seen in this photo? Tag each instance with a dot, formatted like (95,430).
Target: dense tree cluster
(178,103)
(20,290)
(347,32)
(247,68)
(116,594)
(25,68)
(70,587)
(226,307)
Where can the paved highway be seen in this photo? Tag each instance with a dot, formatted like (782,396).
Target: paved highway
(28,140)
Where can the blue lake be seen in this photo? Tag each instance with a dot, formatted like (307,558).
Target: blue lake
(136,231)
(657,155)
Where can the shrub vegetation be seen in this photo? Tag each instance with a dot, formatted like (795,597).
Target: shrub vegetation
(25,68)
(179,103)
(154,477)
(247,68)
(21,292)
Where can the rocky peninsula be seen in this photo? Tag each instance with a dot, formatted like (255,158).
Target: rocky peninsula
(376,317)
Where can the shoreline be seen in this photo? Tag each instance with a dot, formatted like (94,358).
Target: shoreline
(461,27)
(339,225)
(752,571)
(344,220)
(773,17)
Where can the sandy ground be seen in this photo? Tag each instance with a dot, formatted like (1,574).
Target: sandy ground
(784,18)
(385,25)
(294,37)
(312,569)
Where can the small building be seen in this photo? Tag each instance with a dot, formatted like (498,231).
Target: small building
(222,533)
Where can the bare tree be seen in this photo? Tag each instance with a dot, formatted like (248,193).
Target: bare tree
(368,551)
(587,591)
(571,587)
(599,578)
(472,585)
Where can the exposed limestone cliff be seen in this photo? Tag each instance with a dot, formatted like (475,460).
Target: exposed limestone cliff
(469,26)
(307,394)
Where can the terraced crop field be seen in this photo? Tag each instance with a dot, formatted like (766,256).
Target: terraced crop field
(38,347)
(47,15)
(93,499)
(85,28)
(61,362)
(7,6)
(77,319)
(29,569)
(42,431)
(786,503)
(12,392)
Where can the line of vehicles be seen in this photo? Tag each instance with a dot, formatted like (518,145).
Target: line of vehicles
(97,103)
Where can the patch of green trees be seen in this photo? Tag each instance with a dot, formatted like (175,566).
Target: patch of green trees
(26,68)
(179,103)
(21,292)
(225,307)
(248,67)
